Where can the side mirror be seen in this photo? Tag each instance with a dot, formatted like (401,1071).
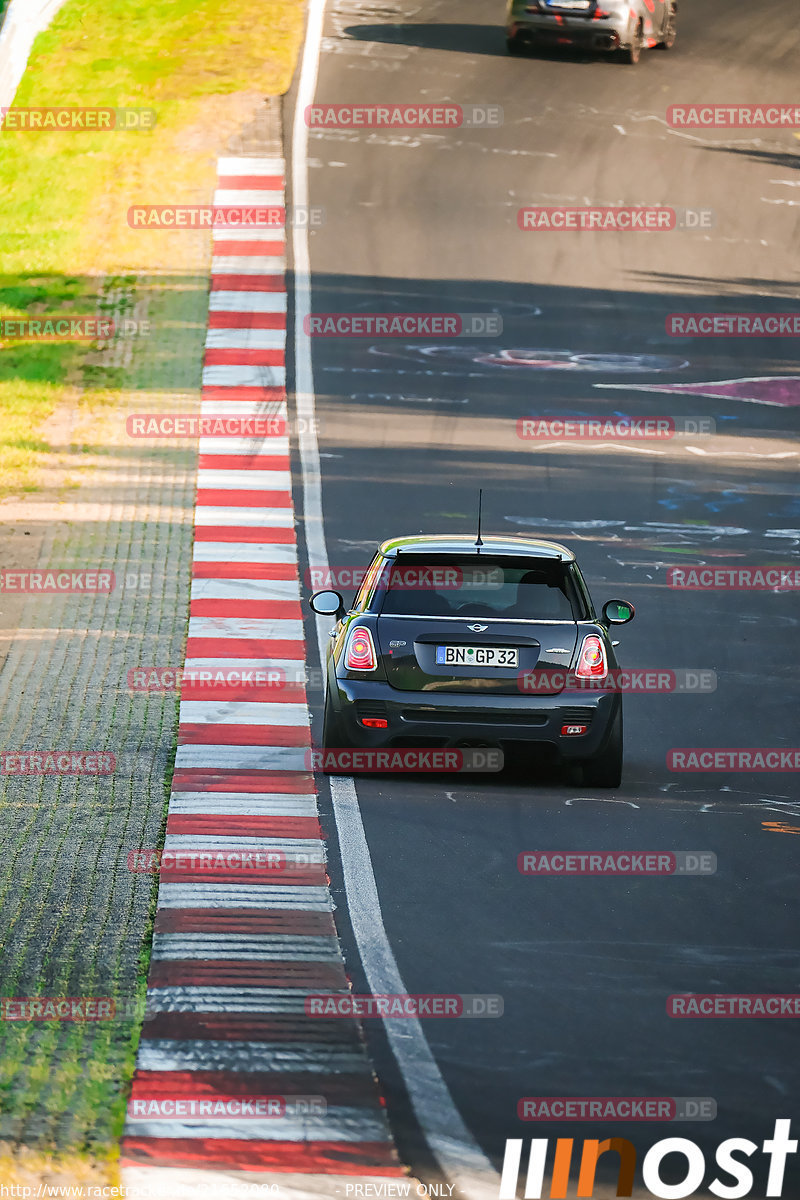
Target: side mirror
(618,612)
(328,604)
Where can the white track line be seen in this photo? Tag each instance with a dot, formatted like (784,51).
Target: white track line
(460,1158)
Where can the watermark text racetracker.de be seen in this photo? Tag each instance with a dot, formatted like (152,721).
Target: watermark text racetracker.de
(625,429)
(173,679)
(616,1108)
(187,425)
(406,578)
(246,674)
(403,1005)
(225,216)
(697,324)
(57,328)
(71,581)
(646,680)
(617,862)
(57,762)
(72,119)
(734,116)
(403,116)
(610,218)
(734,579)
(377,324)
(67,1008)
(408,759)
(732,1005)
(55,581)
(734,758)
(221,1107)
(208,861)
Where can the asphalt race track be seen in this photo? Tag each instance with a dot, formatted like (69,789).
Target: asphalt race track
(410,429)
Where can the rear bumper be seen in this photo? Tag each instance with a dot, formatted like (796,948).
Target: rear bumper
(607,34)
(427,719)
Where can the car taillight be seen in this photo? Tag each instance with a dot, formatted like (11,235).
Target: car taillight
(592,663)
(360,651)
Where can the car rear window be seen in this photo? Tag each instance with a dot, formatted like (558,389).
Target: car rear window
(536,589)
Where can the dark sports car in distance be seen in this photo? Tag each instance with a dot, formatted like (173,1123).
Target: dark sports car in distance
(453,643)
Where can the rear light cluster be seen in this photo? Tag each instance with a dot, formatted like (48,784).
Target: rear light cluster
(360,654)
(592,663)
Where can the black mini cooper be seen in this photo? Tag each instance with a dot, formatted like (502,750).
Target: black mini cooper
(456,643)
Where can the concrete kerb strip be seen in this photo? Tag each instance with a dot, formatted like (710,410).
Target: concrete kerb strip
(234,956)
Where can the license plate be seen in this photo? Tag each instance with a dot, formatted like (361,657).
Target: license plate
(569,3)
(476,656)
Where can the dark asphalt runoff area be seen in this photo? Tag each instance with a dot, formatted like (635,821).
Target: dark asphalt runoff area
(410,429)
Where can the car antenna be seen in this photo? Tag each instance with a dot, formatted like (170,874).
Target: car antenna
(479,539)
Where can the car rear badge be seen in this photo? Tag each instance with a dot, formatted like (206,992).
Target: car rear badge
(478,628)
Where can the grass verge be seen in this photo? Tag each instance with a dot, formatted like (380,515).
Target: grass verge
(203,66)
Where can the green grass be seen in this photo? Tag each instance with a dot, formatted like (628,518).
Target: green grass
(202,65)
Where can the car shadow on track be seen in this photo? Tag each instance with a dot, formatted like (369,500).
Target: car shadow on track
(464,39)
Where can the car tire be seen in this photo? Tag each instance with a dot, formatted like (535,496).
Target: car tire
(631,54)
(605,769)
(332,736)
(515,46)
(670,31)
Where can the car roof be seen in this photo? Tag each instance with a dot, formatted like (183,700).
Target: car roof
(516,547)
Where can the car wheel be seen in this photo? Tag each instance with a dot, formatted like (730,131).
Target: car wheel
(633,53)
(605,769)
(515,45)
(670,29)
(332,736)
